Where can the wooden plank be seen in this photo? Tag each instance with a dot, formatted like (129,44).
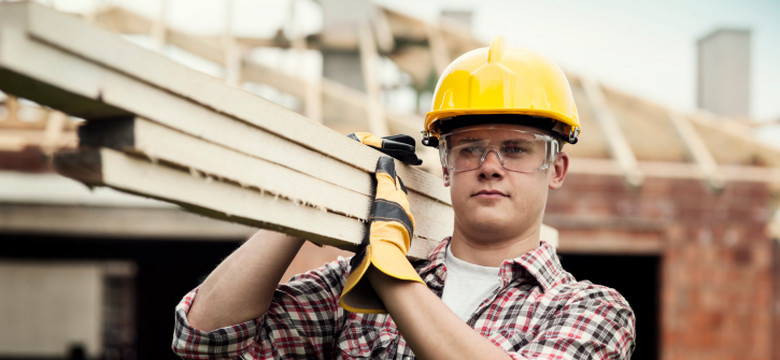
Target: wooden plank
(218,199)
(208,160)
(42,92)
(102,85)
(618,145)
(102,47)
(160,143)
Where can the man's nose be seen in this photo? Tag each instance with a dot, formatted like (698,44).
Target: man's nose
(491,166)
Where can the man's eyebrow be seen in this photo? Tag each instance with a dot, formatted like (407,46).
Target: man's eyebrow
(469,139)
(517,140)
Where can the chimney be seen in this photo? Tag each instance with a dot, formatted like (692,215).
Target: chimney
(723,84)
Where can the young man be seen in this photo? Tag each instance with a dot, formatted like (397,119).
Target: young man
(493,290)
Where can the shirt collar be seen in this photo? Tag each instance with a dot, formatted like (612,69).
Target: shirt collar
(437,256)
(540,264)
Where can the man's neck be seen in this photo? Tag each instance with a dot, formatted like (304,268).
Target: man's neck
(493,251)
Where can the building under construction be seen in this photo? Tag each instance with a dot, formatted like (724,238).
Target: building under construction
(677,211)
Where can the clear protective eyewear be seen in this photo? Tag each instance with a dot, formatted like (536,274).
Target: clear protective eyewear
(517,150)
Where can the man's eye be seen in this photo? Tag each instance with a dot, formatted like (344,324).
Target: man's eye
(514,148)
(471,149)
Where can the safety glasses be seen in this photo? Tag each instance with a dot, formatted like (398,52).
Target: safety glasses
(517,150)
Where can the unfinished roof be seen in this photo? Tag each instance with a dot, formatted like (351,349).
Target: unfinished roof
(622,134)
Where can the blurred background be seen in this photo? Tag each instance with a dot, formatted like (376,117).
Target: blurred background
(672,196)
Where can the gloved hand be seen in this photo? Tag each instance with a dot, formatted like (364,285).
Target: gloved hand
(398,146)
(391,228)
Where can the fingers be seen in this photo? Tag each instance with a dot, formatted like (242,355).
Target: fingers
(385,164)
(391,200)
(367,139)
(402,138)
(399,146)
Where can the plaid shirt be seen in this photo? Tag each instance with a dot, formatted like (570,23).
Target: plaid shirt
(539,311)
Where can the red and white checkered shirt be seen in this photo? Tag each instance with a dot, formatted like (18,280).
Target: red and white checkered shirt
(539,312)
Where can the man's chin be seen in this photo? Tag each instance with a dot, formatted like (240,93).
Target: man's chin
(492,225)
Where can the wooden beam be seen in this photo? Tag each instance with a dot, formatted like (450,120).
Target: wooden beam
(214,198)
(618,145)
(12,112)
(53,133)
(230,201)
(735,138)
(219,163)
(676,170)
(233,52)
(438,48)
(369,61)
(328,99)
(381,26)
(312,90)
(697,150)
(159,27)
(118,222)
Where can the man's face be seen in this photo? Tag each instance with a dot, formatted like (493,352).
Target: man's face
(491,201)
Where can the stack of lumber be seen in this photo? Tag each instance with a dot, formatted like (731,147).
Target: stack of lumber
(159,129)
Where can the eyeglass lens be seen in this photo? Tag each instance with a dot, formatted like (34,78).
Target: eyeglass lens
(516,150)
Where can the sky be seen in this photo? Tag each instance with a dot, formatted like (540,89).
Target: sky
(646,48)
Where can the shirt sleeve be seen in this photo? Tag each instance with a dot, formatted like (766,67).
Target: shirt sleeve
(223,343)
(304,315)
(598,324)
(300,320)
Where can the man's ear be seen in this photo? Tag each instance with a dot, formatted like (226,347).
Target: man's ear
(560,167)
(445,175)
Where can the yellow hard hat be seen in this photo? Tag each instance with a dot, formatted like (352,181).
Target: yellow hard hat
(502,80)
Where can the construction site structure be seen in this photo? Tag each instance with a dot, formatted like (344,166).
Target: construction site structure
(678,211)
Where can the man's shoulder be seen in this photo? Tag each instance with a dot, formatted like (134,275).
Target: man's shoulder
(577,291)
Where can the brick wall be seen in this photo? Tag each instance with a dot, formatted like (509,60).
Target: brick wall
(716,257)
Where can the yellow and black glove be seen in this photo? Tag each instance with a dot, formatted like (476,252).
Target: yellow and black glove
(391,228)
(398,146)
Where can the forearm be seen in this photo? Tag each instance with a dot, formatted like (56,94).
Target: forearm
(430,328)
(242,286)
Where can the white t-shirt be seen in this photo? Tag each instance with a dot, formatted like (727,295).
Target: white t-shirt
(467,285)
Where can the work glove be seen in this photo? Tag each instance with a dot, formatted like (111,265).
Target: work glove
(391,228)
(398,146)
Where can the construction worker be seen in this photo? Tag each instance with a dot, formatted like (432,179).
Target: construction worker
(493,290)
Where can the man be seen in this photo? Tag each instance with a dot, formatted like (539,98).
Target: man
(492,291)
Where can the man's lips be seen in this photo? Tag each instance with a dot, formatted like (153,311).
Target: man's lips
(489,193)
